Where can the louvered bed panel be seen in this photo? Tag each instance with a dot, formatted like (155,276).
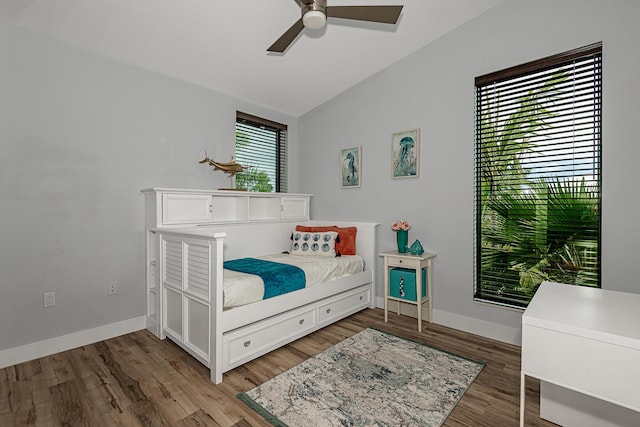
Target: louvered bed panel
(172,265)
(186,278)
(198,269)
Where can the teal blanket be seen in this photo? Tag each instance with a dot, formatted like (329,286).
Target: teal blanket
(278,278)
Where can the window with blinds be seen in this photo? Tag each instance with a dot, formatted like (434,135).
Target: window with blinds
(538,176)
(261,147)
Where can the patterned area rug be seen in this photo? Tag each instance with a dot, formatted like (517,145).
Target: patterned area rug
(370,379)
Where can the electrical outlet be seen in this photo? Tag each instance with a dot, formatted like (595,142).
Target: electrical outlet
(49,299)
(112,288)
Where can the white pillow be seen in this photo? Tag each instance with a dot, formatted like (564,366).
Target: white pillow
(314,243)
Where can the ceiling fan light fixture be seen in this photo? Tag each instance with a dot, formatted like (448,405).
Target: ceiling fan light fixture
(314,19)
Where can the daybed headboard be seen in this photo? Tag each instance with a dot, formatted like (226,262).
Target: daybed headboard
(365,239)
(263,238)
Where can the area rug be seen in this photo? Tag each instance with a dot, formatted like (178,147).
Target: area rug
(370,379)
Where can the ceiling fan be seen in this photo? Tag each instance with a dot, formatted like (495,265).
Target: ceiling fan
(316,12)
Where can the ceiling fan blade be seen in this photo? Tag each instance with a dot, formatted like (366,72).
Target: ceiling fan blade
(287,38)
(384,14)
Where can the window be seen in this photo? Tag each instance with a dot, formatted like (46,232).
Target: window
(261,147)
(537,176)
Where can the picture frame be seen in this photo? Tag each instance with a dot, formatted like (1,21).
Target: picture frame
(405,154)
(350,167)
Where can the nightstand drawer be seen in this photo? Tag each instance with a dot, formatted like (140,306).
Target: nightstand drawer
(403,262)
(402,283)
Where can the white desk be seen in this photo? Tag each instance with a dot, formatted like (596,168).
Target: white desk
(583,339)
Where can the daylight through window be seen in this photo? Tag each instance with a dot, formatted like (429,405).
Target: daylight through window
(538,177)
(261,147)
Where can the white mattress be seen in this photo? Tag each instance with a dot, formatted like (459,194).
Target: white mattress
(243,288)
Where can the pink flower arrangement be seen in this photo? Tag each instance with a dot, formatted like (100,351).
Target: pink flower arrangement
(400,225)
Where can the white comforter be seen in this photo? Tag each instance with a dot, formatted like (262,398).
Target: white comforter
(242,288)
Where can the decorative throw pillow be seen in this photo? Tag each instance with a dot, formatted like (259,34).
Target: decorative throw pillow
(319,243)
(346,243)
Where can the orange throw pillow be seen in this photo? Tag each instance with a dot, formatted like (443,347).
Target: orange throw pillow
(346,245)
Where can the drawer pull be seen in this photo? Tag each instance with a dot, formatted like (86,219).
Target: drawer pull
(247,343)
(361,297)
(301,321)
(399,261)
(328,310)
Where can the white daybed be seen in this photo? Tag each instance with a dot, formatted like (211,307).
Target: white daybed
(190,233)
(192,314)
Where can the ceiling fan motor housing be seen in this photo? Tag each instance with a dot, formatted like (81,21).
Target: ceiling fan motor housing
(314,13)
(314,17)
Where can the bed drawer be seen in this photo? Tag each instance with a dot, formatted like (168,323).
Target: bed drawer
(344,305)
(251,341)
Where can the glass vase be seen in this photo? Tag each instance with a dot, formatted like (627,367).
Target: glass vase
(402,238)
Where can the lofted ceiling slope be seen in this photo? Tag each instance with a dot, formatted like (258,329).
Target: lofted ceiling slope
(221,44)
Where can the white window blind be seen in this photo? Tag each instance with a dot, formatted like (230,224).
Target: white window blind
(261,147)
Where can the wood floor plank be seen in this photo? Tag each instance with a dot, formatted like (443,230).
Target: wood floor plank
(68,404)
(6,420)
(28,370)
(144,408)
(21,403)
(5,395)
(52,365)
(137,380)
(198,419)
(242,423)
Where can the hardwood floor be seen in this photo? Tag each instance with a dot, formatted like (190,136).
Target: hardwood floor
(138,380)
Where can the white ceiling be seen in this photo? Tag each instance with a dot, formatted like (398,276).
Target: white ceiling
(221,44)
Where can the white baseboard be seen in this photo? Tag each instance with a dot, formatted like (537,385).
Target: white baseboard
(468,324)
(475,326)
(24,353)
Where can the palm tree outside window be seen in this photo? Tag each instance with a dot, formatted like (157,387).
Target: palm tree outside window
(538,176)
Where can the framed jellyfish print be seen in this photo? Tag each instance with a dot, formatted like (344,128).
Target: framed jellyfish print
(405,154)
(351,167)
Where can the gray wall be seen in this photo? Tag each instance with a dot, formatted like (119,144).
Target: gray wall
(80,136)
(433,90)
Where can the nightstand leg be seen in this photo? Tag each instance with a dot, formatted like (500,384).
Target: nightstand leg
(386,290)
(419,301)
(429,291)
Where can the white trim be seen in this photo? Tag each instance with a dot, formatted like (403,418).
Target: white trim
(471,325)
(24,353)
(491,330)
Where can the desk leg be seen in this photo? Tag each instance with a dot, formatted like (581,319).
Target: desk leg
(386,290)
(522,394)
